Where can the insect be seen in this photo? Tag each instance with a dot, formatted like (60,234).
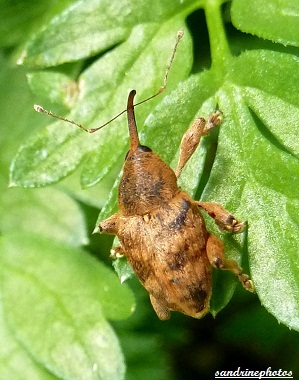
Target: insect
(161,229)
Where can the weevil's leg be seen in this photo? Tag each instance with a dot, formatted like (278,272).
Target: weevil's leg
(215,253)
(116,252)
(223,218)
(109,226)
(192,136)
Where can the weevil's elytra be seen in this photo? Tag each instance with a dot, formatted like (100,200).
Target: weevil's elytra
(180,219)
(161,229)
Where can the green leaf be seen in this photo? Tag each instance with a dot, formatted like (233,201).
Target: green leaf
(46,212)
(123,269)
(108,24)
(63,297)
(58,87)
(18,19)
(15,361)
(53,153)
(275,20)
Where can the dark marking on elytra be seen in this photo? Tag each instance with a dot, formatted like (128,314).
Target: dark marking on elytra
(177,261)
(179,220)
(198,296)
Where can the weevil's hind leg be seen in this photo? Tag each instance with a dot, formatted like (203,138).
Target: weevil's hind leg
(223,218)
(200,127)
(215,253)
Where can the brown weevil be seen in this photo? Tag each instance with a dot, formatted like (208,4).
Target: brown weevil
(161,229)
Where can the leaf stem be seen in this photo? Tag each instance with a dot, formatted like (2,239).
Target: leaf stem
(218,42)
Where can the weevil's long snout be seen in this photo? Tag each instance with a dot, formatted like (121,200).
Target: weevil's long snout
(134,139)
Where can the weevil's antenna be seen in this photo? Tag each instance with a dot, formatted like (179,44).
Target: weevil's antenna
(179,36)
(40,109)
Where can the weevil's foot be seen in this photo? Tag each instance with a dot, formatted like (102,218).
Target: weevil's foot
(214,120)
(246,282)
(223,218)
(231,224)
(116,253)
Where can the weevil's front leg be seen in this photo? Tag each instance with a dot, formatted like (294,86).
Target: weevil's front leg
(192,136)
(215,253)
(110,225)
(223,218)
(117,252)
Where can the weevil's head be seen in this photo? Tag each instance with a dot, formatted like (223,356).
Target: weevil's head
(147,181)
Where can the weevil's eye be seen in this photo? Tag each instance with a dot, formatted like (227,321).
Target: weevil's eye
(143,148)
(140,148)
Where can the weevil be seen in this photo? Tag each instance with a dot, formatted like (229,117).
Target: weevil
(161,229)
